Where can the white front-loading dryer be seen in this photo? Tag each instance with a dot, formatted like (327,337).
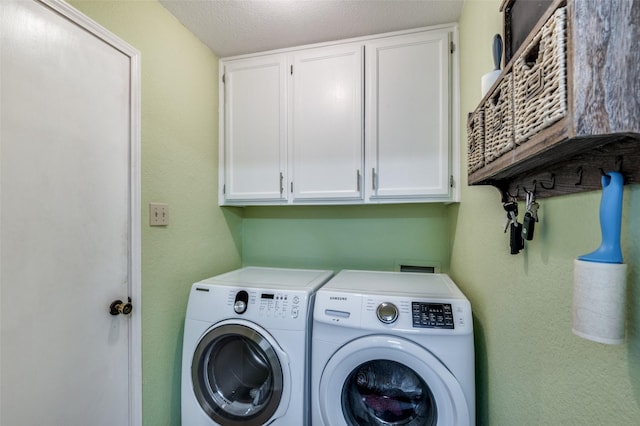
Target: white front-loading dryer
(392,348)
(246,348)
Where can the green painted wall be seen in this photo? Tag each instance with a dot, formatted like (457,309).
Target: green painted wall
(531,369)
(347,237)
(179,167)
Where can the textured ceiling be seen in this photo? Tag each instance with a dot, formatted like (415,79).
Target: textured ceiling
(234,27)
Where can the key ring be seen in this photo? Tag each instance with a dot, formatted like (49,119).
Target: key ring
(530,198)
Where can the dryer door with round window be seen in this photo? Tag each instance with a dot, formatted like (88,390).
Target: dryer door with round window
(237,375)
(383,380)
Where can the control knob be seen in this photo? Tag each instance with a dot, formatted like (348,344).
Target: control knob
(240,304)
(239,307)
(387,312)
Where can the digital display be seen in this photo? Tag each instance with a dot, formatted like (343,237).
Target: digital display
(267,295)
(432,315)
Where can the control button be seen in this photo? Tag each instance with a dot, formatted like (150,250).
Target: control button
(296,299)
(387,312)
(295,312)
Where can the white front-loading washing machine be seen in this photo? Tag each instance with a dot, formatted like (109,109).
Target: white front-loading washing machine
(246,345)
(392,348)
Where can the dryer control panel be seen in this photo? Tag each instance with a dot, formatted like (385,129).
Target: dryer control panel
(275,298)
(279,304)
(281,308)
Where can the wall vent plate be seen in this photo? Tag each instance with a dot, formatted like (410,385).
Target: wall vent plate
(424,266)
(414,268)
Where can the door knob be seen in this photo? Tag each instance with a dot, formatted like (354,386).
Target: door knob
(118,307)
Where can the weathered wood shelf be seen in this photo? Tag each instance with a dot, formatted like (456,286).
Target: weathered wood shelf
(569,166)
(601,130)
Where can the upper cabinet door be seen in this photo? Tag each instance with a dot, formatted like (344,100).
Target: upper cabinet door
(254,130)
(326,122)
(408,89)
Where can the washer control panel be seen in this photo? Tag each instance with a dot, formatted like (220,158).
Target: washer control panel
(436,316)
(432,315)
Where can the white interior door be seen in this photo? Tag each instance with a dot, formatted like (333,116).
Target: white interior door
(69,228)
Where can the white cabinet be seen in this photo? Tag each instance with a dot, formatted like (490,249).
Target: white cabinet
(253,158)
(326,136)
(408,110)
(370,120)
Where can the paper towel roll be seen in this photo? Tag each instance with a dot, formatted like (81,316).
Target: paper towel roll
(487,81)
(599,301)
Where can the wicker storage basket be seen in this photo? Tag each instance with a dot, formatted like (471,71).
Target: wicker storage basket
(540,93)
(475,139)
(498,120)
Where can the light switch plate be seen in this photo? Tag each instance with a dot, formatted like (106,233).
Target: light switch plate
(158,214)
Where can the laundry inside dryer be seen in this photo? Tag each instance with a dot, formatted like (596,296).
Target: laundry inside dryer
(387,392)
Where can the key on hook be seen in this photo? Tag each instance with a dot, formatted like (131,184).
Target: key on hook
(511,207)
(530,217)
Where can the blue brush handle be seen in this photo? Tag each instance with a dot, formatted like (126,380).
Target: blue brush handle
(610,221)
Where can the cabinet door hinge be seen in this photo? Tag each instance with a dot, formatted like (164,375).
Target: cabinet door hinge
(452,183)
(452,46)
(224,189)
(291,69)
(292,187)
(223,76)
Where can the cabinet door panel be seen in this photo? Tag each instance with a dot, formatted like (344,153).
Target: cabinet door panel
(255,128)
(327,123)
(408,115)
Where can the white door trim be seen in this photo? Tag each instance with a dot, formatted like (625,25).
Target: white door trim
(135,287)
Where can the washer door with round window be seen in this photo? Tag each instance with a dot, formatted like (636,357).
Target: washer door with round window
(240,375)
(385,380)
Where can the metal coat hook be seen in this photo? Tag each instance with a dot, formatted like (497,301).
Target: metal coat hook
(619,163)
(533,191)
(553,183)
(514,197)
(579,173)
(618,166)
